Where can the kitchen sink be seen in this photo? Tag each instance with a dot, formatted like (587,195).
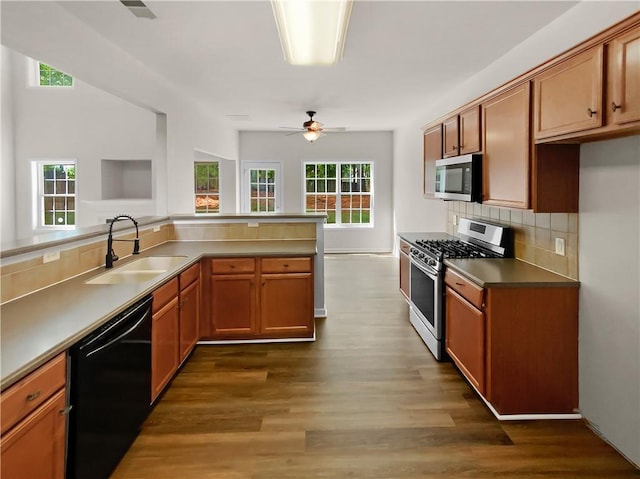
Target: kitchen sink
(139,271)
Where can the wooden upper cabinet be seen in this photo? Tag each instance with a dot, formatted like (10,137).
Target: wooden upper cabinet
(568,96)
(506,140)
(432,152)
(450,137)
(624,78)
(470,131)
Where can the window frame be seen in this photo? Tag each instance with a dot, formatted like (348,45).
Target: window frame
(33,76)
(278,190)
(40,194)
(195,187)
(339,193)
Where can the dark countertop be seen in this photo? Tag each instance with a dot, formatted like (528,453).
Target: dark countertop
(37,327)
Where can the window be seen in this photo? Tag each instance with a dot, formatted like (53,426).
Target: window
(49,76)
(56,194)
(207,187)
(343,190)
(261,187)
(43,75)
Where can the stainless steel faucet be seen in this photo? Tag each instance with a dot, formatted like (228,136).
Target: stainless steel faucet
(111,255)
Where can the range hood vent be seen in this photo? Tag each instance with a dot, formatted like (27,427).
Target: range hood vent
(138,8)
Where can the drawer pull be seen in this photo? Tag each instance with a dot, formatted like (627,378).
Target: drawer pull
(614,107)
(33,396)
(286,265)
(459,284)
(591,112)
(65,410)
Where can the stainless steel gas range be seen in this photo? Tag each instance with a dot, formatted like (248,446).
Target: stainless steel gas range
(427,264)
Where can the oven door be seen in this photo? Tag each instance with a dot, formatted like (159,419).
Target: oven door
(426,297)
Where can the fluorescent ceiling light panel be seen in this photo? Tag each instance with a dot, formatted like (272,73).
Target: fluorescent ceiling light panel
(312,32)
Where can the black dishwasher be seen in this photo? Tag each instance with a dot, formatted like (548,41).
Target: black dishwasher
(110,392)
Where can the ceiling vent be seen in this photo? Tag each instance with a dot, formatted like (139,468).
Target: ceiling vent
(138,8)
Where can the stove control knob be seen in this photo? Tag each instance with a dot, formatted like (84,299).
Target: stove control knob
(431,262)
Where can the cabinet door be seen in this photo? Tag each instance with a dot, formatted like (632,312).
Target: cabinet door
(189,318)
(450,137)
(432,152)
(405,268)
(465,338)
(470,131)
(35,447)
(233,305)
(568,96)
(286,305)
(625,78)
(164,346)
(506,140)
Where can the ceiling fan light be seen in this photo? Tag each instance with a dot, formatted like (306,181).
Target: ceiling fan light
(311,135)
(312,32)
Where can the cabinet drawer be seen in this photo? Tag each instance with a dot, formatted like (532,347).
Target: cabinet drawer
(468,290)
(27,394)
(189,276)
(233,265)
(404,247)
(286,265)
(164,294)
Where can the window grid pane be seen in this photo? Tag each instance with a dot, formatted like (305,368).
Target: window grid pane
(351,204)
(207,187)
(58,194)
(262,189)
(49,76)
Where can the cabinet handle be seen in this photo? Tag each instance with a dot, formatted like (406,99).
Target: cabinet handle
(65,410)
(455,147)
(614,107)
(591,112)
(460,284)
(33,396)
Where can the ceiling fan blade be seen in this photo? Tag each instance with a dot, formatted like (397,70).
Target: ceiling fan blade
(291,128)
(293,133)
(335,129)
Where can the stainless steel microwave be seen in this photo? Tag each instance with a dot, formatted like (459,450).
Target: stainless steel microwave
(459,178)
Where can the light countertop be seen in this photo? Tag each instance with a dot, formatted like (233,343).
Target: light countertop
(507,273)
(37,327)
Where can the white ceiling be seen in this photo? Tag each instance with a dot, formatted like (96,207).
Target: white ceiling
(398,55)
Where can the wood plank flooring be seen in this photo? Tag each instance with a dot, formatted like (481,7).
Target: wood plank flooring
(366,400)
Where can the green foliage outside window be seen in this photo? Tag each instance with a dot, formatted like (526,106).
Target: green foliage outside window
(49,76)
(59,194)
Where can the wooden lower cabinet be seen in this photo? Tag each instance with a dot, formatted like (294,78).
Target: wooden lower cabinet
(34,424)
(520,349)
(260,298)
(189,310)
(286,305)
(465,339)
(165,327)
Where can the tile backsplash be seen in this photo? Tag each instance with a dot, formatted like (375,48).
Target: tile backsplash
(534,233)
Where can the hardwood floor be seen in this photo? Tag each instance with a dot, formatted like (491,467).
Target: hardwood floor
(366,400)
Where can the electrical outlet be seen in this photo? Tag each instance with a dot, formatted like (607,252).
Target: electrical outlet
(51,256)
(156,229)
(455,220)
(560,246)
(252,224)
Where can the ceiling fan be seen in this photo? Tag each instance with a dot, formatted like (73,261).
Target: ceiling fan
(312,129)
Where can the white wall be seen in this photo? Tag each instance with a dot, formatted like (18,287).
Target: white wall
(81,123)
(609,259)
(293,150)
(609,336)
(46,31)
(7,167)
